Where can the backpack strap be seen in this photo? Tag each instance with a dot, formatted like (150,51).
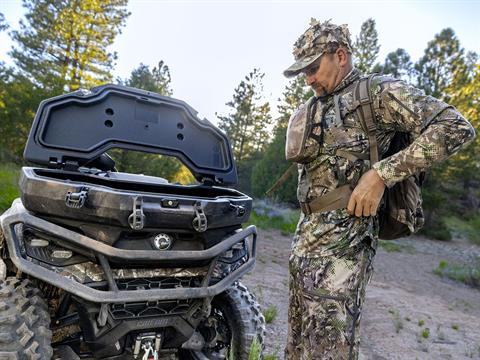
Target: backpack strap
(366,114)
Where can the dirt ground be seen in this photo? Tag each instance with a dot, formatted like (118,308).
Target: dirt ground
(409,313)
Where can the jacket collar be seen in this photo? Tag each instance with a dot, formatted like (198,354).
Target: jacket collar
(352,76)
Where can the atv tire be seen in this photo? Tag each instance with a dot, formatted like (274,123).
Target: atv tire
(24,322)
(244,320)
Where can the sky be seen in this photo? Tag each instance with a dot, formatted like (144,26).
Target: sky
(210,46)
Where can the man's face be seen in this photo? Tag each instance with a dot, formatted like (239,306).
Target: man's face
(322,76)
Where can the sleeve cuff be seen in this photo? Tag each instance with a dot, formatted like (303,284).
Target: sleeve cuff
(387,172)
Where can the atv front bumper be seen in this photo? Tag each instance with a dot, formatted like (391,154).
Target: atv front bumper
(17,214)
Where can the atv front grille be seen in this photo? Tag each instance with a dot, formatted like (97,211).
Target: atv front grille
(157,283)
(150,309)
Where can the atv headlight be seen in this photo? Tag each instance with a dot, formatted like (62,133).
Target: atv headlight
(230,260)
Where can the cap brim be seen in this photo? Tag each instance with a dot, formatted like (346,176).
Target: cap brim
(300,64)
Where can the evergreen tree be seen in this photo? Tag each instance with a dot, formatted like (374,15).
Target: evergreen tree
(445,72)
(464,167)
(442,58)
(3,24)
(366,47)
(157,80)
(398,64)
(63,45)
(272,164)
(296,92)
(248,124)
(19,99)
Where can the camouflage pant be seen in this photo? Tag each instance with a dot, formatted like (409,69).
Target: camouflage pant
(326,296)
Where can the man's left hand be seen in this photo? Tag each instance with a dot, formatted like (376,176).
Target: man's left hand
(367,194)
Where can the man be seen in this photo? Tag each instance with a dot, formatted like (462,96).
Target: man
(333,249)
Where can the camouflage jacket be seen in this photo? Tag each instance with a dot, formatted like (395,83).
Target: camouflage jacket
(438,131)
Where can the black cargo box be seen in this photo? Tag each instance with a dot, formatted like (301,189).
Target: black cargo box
(70,133)
(131,201)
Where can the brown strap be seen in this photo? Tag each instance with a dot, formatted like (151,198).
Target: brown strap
(335,199)
(281,180)
(351,155)
(366,115)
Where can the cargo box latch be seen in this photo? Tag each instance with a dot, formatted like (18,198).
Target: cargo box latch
(200,221)
(137,218)
(76,200)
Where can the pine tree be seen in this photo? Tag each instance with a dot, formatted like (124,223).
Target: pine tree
(296,92)
(157,80)
(248,124)
(366,47)
(445,72)
(464,167)
(442,58)
(272,163)
(398,64)
(3,24)
(63,45)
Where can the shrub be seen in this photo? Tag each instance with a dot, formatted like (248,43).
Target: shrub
(466,273)
(9,190)
(270,314)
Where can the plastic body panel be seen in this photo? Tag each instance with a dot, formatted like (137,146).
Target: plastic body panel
(112,201)
(73,129)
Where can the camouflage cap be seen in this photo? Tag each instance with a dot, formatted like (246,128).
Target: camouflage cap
(313,43)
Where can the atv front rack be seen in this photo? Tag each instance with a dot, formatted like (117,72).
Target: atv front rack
(17,214)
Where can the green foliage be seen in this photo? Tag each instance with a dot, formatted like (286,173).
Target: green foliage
(272,164)
(255,350)
(8,185)
(270,314)
(19,99)
(149,164)
(397,321)
(466,273)
(247,125)
(465,227)
(63,43)
(393,246)
(421,322)
(244,171)
(296,92)
(268,169)
(3,24)
(441,60)
(157,80)
(425,333)
(366,47)
(286,226)
(270,357)
(436,229)
(397,64)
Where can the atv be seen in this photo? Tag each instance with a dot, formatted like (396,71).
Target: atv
(100,264)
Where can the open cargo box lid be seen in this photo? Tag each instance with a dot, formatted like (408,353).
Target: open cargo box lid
(71,130)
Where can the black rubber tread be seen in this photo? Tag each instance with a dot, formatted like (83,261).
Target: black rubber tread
(24,322)
(244,318)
